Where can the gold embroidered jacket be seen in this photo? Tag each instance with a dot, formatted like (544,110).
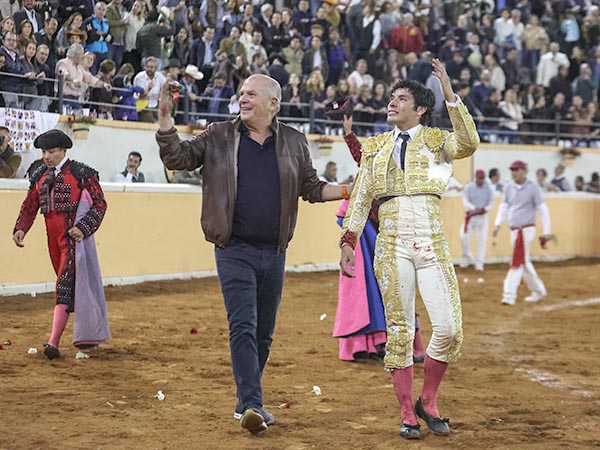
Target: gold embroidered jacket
(428,166)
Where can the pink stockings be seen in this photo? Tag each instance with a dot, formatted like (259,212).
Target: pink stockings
(61,316)
(403,385)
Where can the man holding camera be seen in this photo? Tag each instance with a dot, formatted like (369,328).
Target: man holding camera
(9,160)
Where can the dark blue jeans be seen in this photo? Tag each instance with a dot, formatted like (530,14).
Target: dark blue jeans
(251,281)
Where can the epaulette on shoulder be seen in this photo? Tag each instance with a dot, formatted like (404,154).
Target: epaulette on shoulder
(373,144)
(37,173)
(82,171)
(434,138)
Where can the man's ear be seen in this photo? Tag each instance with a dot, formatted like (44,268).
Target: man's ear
(421,110)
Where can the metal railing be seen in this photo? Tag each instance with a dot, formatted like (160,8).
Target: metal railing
(548,131)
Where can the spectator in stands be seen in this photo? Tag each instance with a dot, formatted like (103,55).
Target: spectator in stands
(276,33)
(482,88)
(231,46)
(292,97)
(148,42)
(98,37)
(559,83)
(504,31)
(579,183)
(28,13)
(513,116)
(203,54)
(336,57)
(277,70)
(550,63)
(576,59)
(9,160)
(493,113)
(67,8)
(594,184)
(294,55)
(583,85)
(544,185)
(497,77)
(88,60)
(76,77)
(125,93)
(494,179)
(151,80)
(100,95)
(315,59)
(45,87)
(259,64)
(363,113)
(570,29)
(539,112)
(47,37)
(216,97)
(135,21)
(407,37)
(7,9)
(559,180)
(116,18)
(256,46)
(302,17)
(74,22)
(315,91)
(456,65)
(30,87)
(511,67)
(558,111)
(189,81)
(173,69)
(131,174)
(369,38)
(246,36)
(535,39)
(360,77)
(13,85)
(25,36)
(7,25)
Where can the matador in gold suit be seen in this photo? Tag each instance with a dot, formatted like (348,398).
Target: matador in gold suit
(407,170)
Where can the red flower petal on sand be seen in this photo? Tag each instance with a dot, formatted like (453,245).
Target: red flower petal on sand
(194,330)
(1,347)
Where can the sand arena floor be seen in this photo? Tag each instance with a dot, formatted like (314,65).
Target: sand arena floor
(528,377)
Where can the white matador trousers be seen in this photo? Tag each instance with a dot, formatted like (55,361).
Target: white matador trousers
(412,249)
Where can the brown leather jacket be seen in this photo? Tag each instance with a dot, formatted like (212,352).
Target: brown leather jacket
(216,151)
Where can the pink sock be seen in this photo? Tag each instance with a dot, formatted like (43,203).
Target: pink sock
(403,385)
(432,378)
(418,348)
(61,316)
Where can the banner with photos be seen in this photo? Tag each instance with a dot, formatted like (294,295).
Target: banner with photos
(25,126)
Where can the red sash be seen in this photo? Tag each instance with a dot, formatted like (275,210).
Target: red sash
(518,258)
(469,214)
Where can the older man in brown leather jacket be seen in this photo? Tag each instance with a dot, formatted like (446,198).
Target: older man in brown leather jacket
(254,169)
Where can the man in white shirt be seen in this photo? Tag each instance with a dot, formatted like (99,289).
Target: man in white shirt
(151,81)
(131,174)
(550,63)
(521,199)
(478,199)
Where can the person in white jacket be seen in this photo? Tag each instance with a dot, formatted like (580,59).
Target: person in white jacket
(521,199)
(549,64)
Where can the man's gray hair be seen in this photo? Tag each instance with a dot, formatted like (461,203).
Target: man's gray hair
(75,49)
(274,90)
(150,59)
(42,46)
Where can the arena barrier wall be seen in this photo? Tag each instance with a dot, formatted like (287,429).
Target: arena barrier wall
(152,231)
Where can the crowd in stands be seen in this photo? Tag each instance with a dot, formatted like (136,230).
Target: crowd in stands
(511,60)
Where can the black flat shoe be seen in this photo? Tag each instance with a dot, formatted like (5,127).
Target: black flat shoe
(436,425)
(51,352)
(410,431)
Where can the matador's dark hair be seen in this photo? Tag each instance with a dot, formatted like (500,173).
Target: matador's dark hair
(423,97)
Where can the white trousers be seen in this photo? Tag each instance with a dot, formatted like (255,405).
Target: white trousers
(526,271)
(478,225)
(412,250)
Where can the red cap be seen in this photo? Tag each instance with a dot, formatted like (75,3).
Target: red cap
(479,174)
(518,165)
